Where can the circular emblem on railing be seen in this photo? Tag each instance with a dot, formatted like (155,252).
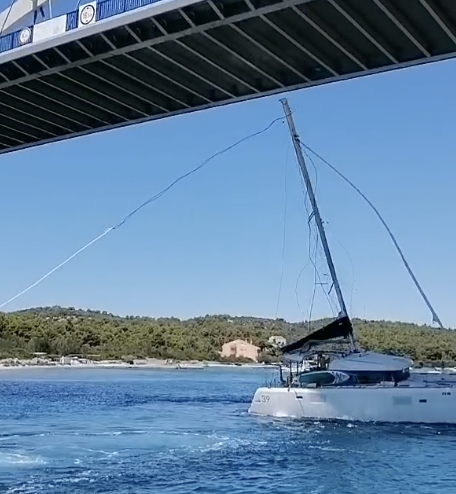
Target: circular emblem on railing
(87,14)
(25,35)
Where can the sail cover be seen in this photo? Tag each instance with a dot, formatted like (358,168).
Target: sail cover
(339,328)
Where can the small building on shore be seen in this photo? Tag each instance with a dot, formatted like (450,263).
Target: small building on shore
(240,349)
(73,360)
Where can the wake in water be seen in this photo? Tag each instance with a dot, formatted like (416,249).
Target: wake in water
(129,434)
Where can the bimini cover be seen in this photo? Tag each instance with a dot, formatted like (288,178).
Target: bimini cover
(339,328)
(370,362)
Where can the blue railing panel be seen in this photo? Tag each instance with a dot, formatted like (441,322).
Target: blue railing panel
(6,43)
(109,8)
(72,20)
(22,37)
(136,4)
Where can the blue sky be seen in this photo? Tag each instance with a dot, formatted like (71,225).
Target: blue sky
(213,244)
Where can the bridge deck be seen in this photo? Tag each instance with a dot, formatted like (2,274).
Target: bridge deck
(113,63)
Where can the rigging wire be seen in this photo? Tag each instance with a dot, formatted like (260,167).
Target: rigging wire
(53,270)
(145,203)
(314,291)
(435,317)
(352,268)
(284,239)
(310,260)
(191,172)
(311,254)
(318,249)
(321,254)
(297,286)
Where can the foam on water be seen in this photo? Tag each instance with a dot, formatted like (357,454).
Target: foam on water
(18,459)
(183,432)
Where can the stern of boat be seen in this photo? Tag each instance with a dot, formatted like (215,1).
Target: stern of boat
(274,402)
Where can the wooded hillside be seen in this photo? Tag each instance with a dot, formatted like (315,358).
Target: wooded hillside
(62,331)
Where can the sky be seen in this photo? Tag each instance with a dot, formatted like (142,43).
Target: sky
(214,243)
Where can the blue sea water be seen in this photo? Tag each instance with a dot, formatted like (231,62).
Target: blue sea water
(187,431)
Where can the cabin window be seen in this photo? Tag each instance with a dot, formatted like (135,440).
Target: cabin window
(320,378)
(374,377)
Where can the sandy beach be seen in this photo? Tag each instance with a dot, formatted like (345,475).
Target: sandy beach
(17,364)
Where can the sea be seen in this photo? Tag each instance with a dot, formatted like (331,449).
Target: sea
(130,431)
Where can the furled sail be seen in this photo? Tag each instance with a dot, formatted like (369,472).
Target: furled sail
(339,328)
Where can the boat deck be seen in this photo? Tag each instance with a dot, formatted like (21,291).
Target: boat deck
(415,380)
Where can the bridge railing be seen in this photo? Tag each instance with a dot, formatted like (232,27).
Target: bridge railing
(86,14)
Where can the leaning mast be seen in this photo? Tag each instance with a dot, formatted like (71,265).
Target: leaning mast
(316,212)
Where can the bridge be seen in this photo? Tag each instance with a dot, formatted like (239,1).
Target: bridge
(113,63)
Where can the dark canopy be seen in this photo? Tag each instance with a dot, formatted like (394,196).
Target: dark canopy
(339,328)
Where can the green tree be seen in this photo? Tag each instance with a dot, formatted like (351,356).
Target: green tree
(62,331)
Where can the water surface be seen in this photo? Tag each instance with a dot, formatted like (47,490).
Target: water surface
(110,431)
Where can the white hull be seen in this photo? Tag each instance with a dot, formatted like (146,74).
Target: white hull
(435,404)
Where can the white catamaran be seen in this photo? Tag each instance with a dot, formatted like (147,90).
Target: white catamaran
(355,385)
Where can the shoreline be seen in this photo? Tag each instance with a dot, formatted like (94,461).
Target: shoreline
(164,366)
(155,365)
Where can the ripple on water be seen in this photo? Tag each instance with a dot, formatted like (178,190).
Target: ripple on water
(188,432)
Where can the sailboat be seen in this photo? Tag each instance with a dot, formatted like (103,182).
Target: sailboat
(352,385)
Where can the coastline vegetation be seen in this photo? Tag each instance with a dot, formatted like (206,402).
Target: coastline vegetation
(69,331)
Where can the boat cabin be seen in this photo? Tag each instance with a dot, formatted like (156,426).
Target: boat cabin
(350,369)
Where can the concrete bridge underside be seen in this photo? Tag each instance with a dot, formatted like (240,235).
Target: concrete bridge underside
(178,56)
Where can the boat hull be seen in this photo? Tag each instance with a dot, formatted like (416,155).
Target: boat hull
(432,405)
